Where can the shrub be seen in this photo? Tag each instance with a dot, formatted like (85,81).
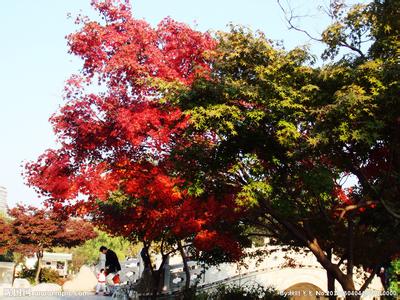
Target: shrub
(394,277)
(245,292)
(46,275)
(28,274)
(49,275)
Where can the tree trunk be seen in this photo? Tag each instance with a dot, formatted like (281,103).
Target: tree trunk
(311,242)
(346,281)
(156,276)
(14,271)
(156,283)
(39,256)
(18,259)
(185,265)
(330,278)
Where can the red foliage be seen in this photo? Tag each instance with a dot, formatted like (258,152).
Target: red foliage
(158,210)
(120,138)
(35,230)
(207,240)
(6,237)
(378,164)
(343,195)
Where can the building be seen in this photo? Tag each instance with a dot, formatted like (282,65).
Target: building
(6,272)
(55,261)
(3,200)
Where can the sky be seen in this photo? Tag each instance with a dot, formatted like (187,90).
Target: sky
(34,62)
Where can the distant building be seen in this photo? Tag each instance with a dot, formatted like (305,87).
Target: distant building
(3,200)
(6,273)
(55,261)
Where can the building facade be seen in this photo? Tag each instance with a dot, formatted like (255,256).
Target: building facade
(3,200)
(52,260)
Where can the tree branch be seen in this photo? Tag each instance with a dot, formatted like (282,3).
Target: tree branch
(366,185)
(342,259)
(353,207)
(369,279)
(346,45)
(313,245)
(290,19)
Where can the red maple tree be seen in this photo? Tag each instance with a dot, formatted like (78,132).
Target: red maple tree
(6,237)
(118,141)
(35,230)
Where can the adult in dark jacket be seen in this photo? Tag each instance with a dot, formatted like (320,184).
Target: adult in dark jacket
(112,263)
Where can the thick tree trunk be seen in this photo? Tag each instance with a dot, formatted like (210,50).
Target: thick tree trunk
(185,265)
(156,283)
(330,278)
(39,256)
(306,237)
(156,276)
(345,281)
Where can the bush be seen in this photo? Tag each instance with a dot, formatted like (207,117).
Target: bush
(7,256)
(27,274)
(394,277)
(46,275)
(49,275)
(244,292)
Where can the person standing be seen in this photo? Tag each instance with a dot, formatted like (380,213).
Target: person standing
(112,266)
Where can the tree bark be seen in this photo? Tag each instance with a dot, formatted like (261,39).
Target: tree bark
(185,265)
(330,278)
(39,256)
(156,276)
(345,281)
(369,279)
(14,271)
(301,234)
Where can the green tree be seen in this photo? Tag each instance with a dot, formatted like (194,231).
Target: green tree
(287,135)
(394,276)
(89,254)
(266,128)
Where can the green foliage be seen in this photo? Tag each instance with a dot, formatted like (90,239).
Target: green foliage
(7,256)
(385,29)
(46,274)
(49,275)
(350,28)
(394,277)
(281,134)
(89,253)
(28,274)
